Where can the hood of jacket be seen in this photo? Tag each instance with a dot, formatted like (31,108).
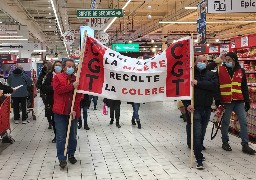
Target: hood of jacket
(17,72)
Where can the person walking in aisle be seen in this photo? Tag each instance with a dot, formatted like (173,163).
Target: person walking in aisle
(94,99)
(135,116)
(19,97)
(205,85)
(63,87)
(234,96)
(47,89)
(85,104)
(114,106)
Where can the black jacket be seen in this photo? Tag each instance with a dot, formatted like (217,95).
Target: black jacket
(6,89)
(244,86)
(47,89)
(86,101)
(205,90)
(40,79)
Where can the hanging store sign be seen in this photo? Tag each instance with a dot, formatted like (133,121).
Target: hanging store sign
(88,13)
(201,23)
(231,6)
(21,46)
(224,48)
(126,47)
(8,58)
(97,23)
(23,60)
(244,41)
(69,37)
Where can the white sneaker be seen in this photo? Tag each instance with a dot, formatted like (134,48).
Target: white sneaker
(24,122)
(16,121)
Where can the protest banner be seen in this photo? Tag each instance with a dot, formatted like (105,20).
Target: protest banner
(164,77)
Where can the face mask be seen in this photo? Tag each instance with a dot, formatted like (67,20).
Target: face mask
(229,64)
(201,66)
(57,68)
(70,70)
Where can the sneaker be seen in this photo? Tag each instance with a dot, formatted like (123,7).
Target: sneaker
(226,146)
(133,121)
(72,159)
(111,121)
(203,159)
(95,108)
(24,122)
(86,127)
(54,140)
(200,166)
(16,121)
(248,150)
(63,164)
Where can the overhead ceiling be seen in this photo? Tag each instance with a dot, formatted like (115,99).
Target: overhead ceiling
(140,22)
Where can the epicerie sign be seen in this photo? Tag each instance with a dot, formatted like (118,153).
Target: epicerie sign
(231,6)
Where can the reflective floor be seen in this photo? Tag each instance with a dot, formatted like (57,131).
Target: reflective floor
(157,151)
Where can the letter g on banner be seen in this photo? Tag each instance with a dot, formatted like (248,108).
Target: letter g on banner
(178,69)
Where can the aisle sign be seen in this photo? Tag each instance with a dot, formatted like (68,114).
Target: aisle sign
(88,13)
(224,48)
(244,41)
(135,47)
(231,6)
(97,23)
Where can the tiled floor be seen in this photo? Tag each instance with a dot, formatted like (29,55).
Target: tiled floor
(157,151)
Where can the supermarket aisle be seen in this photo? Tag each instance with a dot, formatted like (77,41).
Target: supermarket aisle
(157,151)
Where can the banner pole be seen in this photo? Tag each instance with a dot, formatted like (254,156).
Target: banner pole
(75,90)
(192,104)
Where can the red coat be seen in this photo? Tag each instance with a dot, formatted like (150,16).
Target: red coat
(63,94)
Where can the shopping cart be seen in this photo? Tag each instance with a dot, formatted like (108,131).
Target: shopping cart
(5,121)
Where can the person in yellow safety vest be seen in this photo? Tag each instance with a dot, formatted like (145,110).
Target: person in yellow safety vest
(234,96)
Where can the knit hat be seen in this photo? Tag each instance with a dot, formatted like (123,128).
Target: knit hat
(233,56)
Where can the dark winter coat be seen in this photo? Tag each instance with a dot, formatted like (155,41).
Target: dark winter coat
(17,78)
(205,90)
(47,88)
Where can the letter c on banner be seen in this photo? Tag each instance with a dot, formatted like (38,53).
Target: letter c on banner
(94,53)
(124,91)
(173,51)
(97,68)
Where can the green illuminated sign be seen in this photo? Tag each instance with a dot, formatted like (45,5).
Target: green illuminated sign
(126,47)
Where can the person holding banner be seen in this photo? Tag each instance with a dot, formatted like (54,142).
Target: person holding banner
(135,116)
(205,85)
(234,96)
(84,104)
(114,111)
(63,86)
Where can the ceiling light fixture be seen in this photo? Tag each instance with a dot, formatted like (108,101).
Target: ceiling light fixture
(191,8)
(11,36)
(113,20)
(152,40)
(39,50)
(217,40)
(58,22)
(13,39)
(208,22)
(1,22)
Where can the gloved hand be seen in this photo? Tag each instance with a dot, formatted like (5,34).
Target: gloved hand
(247,106)
(217,103)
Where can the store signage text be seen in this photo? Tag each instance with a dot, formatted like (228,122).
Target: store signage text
(87,13)
(231,6)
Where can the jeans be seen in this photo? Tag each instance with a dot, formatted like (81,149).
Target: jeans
(201,120)
(136,107)
(61,125)
(94,99)
(238,108)
(18,102)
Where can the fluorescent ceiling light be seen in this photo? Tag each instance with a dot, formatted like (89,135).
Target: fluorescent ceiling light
(13,39)
(10,36)
(1,22)
(113,20)
(39,50)
(208,22)
(9,51)
(191,7)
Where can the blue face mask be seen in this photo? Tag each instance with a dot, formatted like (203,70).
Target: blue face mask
(229,64)
(57,68)
(70,70)
(201,66)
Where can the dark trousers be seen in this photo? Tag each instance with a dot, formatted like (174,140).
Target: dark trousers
(114,109)
(18,102)
(51,120)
